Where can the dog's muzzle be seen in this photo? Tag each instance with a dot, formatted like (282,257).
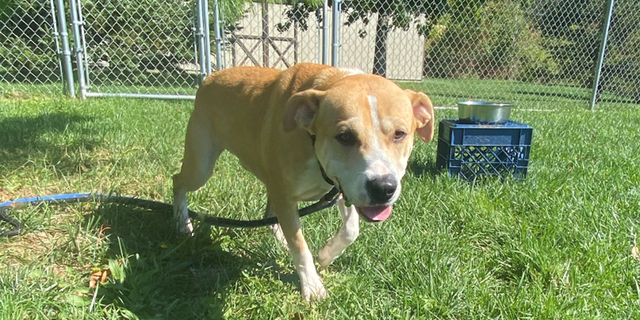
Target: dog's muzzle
(381,189)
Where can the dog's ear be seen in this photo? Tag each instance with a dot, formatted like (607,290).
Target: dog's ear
(301,110)
(422,113)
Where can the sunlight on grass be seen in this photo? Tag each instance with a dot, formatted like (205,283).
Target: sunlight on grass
(557,245)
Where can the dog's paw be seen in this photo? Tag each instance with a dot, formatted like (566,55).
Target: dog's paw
(314,292)
(185,227)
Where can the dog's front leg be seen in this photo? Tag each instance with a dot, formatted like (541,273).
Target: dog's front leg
(346,235)
(310,283)
(277,230)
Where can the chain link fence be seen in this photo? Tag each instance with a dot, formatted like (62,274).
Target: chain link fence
(541,53)
(140,47)
(621,69)
(29,48)
(274,35)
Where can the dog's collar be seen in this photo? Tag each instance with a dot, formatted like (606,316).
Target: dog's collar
(337,189)
(324,173)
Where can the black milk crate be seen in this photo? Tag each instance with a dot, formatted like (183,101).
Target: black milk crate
(473,150)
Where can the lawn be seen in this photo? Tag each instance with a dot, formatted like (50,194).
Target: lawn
(557,245)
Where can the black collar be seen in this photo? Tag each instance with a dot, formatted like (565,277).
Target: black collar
(324,173)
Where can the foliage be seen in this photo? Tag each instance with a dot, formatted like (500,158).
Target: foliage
(622,60)
(6,6)
(140,38)
(510,46)
(570,34)
(150,38)
(29,58)
(539,41)
(24,34)
(298,12)
(389,15)
(402,13)
(489,40)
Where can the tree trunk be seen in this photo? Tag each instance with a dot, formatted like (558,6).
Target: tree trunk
(380,54)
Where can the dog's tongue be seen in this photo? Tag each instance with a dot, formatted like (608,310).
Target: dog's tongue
(377,214)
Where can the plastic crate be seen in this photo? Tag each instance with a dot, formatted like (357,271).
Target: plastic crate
(474,150)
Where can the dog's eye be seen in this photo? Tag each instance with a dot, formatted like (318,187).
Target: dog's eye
(399,135)
(346,138)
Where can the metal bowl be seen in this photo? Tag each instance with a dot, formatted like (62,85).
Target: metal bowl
(483,112)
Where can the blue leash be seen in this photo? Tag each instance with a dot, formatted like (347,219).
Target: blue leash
(329,200)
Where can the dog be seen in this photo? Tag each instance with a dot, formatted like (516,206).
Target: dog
(301,131)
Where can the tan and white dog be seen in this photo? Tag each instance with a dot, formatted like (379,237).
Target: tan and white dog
(363,127)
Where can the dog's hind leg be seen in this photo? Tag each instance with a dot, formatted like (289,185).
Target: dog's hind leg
(346,235)
(201,153)
(277,230)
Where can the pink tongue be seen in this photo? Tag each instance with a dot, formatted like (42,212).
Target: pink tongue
(377,213)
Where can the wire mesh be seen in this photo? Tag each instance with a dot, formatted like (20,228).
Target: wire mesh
(141,46)
(29,48)
(621,69)
(273,35)
(540,53)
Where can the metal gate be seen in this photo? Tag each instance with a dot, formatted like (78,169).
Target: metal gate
(131,49)
(557,54)
(124,49)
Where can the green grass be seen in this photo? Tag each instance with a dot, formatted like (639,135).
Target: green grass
(557,245)
(524,95)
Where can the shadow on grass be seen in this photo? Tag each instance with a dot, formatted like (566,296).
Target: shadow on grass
(171,276)
(421,167)
(53,137)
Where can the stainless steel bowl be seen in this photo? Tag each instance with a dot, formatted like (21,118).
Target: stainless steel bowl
(483,112)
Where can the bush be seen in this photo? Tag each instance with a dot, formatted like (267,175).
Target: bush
(621,72)
(125,38)
(27,51)
(491,41)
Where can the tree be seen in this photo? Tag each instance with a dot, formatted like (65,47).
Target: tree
(392,14)
(621,73)
(389,15)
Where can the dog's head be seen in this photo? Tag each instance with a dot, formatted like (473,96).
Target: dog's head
(364,127)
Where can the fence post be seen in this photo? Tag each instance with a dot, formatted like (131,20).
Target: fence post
(218,36)
(201,40)
(325,32)
(603,47)
(207,37)
(66,52)
(56,37)
(265,33)
(335,56)
(76,23)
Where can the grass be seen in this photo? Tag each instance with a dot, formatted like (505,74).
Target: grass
(557,245)
(524,95)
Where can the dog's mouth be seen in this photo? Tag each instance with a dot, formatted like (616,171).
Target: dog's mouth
(374,213)
(369,213)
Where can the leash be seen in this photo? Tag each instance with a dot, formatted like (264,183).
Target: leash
(328,200)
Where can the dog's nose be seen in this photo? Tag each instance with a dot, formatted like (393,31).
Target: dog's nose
(382,188)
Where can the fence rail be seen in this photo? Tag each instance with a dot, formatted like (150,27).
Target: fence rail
(459,49)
